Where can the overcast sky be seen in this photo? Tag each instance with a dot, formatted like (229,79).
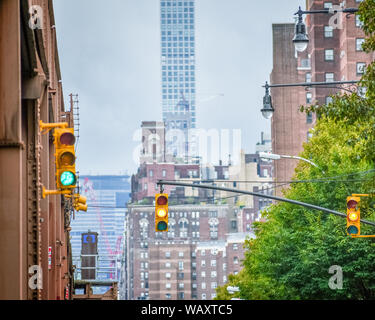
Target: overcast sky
(110,56)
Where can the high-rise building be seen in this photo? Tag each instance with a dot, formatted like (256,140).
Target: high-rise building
(334,53)
(177,20)
(171,265)
(106,200)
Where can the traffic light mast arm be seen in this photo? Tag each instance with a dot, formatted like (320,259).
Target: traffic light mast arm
(46,192)
(260,195)
(49,126)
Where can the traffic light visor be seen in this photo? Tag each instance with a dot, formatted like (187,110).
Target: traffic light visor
(353,216)
(68,178)
(352,230)
(352,204)
(162,226)
(162,200)
(67,159)
(161,213)
(68,139)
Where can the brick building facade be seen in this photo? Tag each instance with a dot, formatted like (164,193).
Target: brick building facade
(334,53)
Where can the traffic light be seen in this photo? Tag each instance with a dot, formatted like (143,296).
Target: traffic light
(65,158)
(353,218)
(161,212)
(79,203)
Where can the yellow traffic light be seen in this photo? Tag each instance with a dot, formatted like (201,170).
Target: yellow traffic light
(79,203)
(65,158)
(161,212)
(353,219)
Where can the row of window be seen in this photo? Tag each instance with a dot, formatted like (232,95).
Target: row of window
(175,3)
(175,16)
(180,21)
(186,33)
(181,68)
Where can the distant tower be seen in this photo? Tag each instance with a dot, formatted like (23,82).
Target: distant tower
(153,142)
(178,73)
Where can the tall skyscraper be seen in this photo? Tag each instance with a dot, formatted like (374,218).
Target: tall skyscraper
(177,20)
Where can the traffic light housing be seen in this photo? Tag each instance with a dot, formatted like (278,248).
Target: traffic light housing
(79,203)
(353,217)
(161,212)
(65,158)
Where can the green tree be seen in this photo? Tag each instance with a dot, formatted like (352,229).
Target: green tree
(294,250)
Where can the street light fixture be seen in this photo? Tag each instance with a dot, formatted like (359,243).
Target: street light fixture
(268,109)
(301,38)
(272,156)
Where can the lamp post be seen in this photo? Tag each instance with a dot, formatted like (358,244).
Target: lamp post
(268,108)
(301,39)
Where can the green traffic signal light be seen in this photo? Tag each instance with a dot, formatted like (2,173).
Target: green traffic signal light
(68,178)
(162,226)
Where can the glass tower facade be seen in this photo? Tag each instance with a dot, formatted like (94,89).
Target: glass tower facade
(178,71)
(106,200)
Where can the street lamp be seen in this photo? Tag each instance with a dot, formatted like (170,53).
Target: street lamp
(268,109)
(301,38)
(272,156)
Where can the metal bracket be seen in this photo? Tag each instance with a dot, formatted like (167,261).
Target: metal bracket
(54,192)
(46,127)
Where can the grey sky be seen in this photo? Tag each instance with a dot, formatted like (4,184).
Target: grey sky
(110,55)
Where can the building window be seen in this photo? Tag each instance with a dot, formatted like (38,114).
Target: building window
(213,274)
(151,173)
(203,263)
(358,44)
(329,100)
(164,173)
(203,274)
(309,136)
(309,118)
(213,285)
(213,263)
(329,55)
(168,275)
(181,254)
(181,285)
(235,260)
(308,98)
(167,254)
(203,296)
(358,22)
(203,285)
(330,77)
(328,31)
(168,296)
(361,67)
(168,286)
(308,77)
(180,265)
(328,5)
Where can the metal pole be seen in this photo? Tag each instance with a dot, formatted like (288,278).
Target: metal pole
(307,205)
(309,84)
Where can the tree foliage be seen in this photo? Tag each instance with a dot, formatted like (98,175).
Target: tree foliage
(294,250)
